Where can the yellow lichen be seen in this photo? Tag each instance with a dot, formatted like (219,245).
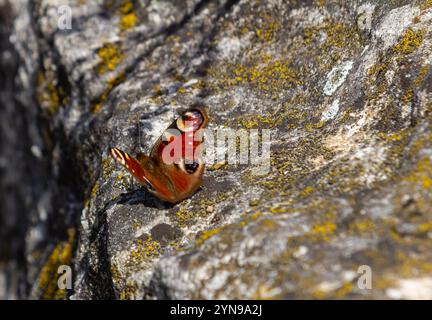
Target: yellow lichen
(182,90)
(425,227)
(48,276)
(324,230)
(422,75)
(427,4)
(422,174)
(409,266)
(310,127)
(337,35)
(268,27)
(218,166)
(111,83)
(307,191)
(111,55)
(107,168)
(128,292)
(93,193)
(205,235)
(183,216)
(148,249)
(363,226)
(49,95)
(264,292)
(128,18)
(261,121)
(410,42)
(391,137)
(265,73)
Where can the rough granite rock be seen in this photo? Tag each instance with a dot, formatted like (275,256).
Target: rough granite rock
(345,87)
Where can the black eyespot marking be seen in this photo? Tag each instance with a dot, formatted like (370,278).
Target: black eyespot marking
(191,167)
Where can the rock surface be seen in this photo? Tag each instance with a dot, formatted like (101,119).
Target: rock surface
(345,87)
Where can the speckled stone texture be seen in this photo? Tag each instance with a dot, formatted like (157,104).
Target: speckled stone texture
(345,87)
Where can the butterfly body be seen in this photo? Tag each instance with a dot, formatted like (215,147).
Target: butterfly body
(173,171)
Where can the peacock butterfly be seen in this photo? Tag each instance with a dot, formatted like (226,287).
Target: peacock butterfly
(173,171)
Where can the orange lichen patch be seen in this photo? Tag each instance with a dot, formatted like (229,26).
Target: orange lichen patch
(48,276)
(111,55)
(410,42)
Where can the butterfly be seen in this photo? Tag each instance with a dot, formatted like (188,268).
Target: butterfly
(173,171)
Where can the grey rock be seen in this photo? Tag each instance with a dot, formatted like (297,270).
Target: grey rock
(345,87)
